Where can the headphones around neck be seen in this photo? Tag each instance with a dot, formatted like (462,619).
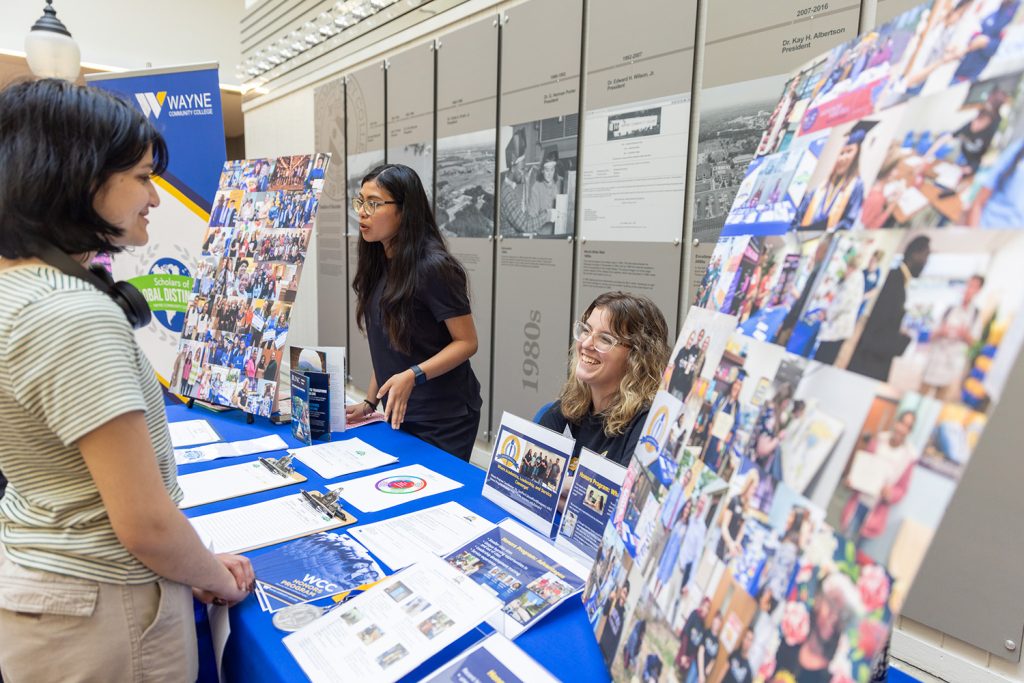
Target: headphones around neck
(126,296)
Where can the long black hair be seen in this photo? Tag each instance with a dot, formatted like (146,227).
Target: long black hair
(59,143)
(418,248)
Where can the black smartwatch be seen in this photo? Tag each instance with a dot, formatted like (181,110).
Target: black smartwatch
(421,377)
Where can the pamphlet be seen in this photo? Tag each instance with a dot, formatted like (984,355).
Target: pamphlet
(496,658)
(381,491)
(528,466)
(191,432)
(318,400)
(329,391)
(392,628)
(525,571)
(401,541)
(300,407)
(338,458)
(313,567)
(591,501)
(229,449)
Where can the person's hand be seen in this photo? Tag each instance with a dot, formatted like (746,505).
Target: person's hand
(356,411)
(241,569)
(397,389)
(886,494)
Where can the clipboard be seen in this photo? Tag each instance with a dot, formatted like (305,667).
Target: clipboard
(233,481)
(273,521)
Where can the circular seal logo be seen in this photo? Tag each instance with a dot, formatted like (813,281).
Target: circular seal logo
(652,437)
(401,485)
(508,454)
(167,288)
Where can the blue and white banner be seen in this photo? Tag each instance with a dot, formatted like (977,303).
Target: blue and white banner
(184,104)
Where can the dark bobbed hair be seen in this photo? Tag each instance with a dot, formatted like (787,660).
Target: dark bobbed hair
(418,248)
(59,143)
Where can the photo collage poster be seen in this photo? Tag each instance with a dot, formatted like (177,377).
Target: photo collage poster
(236,324)
(856,325)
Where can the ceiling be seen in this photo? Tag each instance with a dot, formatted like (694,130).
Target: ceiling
(13,68)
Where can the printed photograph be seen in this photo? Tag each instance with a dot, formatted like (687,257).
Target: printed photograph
(537,181)
(436,624)
(465,184)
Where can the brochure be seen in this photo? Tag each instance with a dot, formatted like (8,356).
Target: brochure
(436,531)
(310,568)
(496,658)
(300,407)
(525,571)
(392,628)
(329,361)
(589,506)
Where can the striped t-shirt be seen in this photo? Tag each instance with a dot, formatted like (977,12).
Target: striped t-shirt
(69,363)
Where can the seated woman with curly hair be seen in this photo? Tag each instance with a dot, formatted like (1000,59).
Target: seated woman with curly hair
(615,367)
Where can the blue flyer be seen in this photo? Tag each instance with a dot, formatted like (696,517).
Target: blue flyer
(525,571)
(591,502)
(313,567)
(495,658)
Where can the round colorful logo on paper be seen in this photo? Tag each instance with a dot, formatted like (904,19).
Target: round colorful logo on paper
(401,485)
(166,287)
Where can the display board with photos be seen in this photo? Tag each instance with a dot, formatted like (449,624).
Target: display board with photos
(856,325)
(238,315)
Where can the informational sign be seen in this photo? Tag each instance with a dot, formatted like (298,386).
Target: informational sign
(532,324)
(184,105)
(590,504)
(539,119)
(410,102)
(364,120)
(537,166)
(251,258)
(528,466)
(331,248)
(467,100)
(868,268)
(637,120)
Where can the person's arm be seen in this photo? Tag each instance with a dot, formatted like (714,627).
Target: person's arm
(399,386)
(120,458)
(701,675)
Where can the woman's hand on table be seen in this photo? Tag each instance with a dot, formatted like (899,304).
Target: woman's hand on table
(398,388)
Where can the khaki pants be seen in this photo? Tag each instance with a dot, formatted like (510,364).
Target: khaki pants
(60,628)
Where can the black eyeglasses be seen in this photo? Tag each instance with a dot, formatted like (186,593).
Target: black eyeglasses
(371,205)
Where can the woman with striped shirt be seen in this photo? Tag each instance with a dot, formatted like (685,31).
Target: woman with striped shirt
(98,565)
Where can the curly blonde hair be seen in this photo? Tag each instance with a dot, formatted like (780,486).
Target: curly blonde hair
(639,325)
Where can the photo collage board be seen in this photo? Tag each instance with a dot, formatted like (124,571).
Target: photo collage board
(236,324)
(857,324)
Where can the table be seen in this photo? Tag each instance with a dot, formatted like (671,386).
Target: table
(563,642)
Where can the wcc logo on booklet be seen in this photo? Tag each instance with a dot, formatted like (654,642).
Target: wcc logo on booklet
(187,104)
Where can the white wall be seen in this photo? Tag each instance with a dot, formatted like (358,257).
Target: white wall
(127,34)
(284,127)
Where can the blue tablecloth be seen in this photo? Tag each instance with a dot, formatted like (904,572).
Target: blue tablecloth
(562,642)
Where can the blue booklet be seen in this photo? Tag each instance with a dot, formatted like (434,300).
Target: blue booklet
(311,568)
